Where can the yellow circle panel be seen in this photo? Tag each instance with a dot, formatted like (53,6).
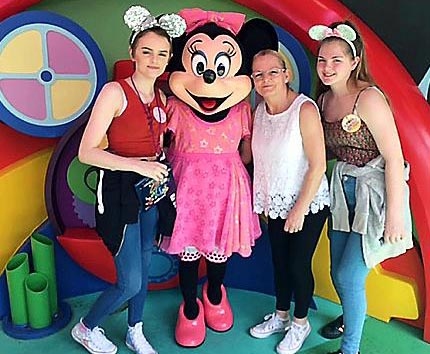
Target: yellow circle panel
(68,97)
(23,54)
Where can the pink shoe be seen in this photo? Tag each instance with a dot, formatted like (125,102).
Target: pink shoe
(190,333)
(218,317)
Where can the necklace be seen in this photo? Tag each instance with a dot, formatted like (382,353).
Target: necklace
(146,98)
(150,119)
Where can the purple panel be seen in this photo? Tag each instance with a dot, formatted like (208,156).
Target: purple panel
(58,196)
(64,196)
(26,96)
(64,56)
(85,212)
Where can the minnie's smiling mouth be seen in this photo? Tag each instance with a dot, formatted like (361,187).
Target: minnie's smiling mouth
(208,104)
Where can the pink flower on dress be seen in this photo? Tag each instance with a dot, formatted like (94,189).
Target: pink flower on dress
(210,131)
(218,149)
(204,143)
(190,190)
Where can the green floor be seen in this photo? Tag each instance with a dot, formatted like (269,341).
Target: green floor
(249,307)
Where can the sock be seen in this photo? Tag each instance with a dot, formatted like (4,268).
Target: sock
(216,273)
(188,277)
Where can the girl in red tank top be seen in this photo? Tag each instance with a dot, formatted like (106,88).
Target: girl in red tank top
(131,114)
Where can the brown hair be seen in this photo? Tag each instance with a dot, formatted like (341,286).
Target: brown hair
(361,71)
(157,30)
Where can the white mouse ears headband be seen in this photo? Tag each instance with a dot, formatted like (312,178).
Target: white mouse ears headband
(138,19)
(345,32)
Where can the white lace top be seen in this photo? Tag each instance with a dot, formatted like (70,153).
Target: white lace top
(280,163)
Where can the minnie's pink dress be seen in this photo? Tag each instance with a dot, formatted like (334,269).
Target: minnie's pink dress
(214,207)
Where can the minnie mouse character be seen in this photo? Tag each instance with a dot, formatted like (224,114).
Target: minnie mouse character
(211,126)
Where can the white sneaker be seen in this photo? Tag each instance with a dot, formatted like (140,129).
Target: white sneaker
(137,342)
(272,324)
(94,340)
(294,338)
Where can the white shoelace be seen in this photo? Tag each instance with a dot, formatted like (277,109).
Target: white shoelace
(273,321)
(97,336)
(296,335)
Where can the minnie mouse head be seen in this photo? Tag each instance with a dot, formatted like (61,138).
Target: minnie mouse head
(212,61)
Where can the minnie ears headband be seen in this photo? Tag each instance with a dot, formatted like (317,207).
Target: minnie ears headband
(138,19)
(345,32)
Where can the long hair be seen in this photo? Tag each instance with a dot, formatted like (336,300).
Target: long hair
(361,72)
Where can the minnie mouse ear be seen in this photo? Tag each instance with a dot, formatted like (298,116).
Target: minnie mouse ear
(175,63)
(255,35)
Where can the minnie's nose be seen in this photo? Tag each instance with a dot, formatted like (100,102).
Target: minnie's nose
(209,76)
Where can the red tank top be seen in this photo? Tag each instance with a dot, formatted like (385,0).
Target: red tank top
(129,134)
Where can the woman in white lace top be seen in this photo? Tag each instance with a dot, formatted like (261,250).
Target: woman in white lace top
(291,189)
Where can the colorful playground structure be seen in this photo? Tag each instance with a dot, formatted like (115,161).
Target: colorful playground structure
(45,100)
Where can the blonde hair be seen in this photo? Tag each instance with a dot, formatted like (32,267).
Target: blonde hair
(272,52)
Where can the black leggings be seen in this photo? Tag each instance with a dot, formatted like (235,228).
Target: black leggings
(188,278)
(292,261)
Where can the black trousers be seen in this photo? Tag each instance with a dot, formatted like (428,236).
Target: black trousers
(292,261)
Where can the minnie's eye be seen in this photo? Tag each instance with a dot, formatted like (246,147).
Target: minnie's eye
(222,65)
(198,64)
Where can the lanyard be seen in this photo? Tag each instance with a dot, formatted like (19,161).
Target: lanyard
(150,119)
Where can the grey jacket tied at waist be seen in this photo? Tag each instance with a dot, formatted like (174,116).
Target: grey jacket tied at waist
(370,208)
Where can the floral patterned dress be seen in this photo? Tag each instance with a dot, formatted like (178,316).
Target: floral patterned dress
(214,207)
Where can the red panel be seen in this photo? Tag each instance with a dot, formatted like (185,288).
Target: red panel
(11,7)
(16,146)
(87,249)
(124,68)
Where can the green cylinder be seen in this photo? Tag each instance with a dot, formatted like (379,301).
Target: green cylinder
(17,270)
(37,292)
(44,262)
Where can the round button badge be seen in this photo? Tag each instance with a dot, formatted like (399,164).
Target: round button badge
(351,123)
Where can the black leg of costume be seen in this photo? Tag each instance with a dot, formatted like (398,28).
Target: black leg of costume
(188,278)
(216,273)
